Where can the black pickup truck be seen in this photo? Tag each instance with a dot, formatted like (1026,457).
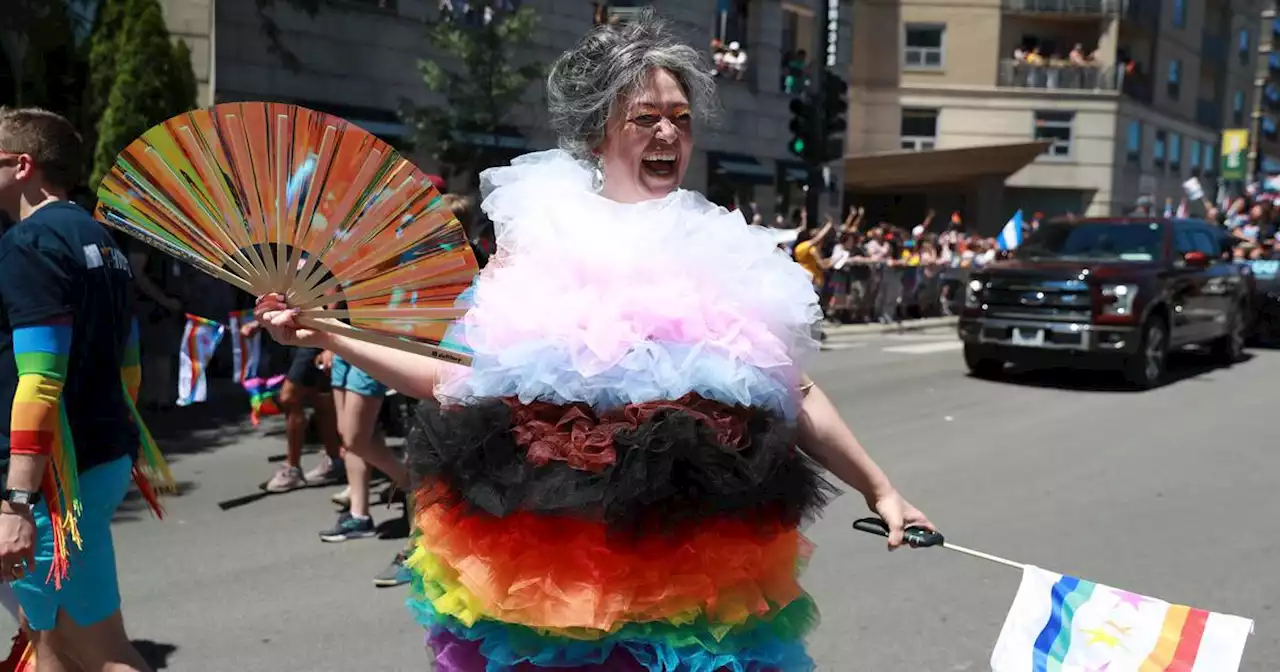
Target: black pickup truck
(1115,294)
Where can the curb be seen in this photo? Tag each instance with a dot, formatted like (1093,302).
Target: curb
(895,328)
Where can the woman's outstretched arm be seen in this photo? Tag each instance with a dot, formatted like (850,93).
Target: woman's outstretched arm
(826,438)
(407,373)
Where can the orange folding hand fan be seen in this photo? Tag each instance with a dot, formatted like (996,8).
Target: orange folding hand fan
(277,198)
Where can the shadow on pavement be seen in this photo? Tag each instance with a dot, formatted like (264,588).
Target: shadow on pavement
(134,508)
(155,653)
(1182,366)
(222,420)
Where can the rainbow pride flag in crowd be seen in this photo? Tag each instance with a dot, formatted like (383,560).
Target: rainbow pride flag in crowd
(1065,624)
(264,397)
(200,340)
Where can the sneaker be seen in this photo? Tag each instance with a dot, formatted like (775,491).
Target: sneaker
(342,497)
(396,573)
(286,479)
(349,527)
(328,472)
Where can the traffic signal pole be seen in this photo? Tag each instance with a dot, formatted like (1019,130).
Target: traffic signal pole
(820,147)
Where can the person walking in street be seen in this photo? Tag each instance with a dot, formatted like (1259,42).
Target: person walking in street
(69,372)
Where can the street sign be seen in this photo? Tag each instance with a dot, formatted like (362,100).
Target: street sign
(1235,152)
(833,31)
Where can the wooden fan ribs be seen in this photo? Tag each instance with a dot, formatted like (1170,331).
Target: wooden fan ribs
(247,191)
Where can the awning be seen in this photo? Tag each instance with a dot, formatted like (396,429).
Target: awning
(794,171)
(739,168)
(503,139)
(905,169)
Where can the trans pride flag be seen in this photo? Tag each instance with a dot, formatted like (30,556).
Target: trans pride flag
(245,352)
(1065,624)
(200,339)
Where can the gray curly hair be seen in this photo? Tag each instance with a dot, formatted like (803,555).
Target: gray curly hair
(587,82)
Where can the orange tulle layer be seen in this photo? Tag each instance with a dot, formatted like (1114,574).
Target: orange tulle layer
(554,572)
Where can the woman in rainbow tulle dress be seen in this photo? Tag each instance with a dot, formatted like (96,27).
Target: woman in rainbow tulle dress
(617,481)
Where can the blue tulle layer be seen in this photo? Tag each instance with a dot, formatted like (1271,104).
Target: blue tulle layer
(505,646)
(650,371)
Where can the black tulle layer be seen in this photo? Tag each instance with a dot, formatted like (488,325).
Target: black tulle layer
(669,466)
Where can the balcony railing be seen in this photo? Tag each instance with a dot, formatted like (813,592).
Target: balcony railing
(1209,113)
(1064,77)
(1076,7)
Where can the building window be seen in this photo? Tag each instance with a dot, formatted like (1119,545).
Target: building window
(1237,108)
(923,46)
(1175,79)
(1179,13)
(1208,158)
(1055,127)
(919,129)
(1193,156)
(1175,153)
(1244,46)
(1133,144)
(1157,152)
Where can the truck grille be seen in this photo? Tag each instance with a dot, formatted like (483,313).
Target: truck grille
(1018,298)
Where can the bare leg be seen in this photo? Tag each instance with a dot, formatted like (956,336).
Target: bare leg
(295,412)
(327,419)
(101,647)
(357,420)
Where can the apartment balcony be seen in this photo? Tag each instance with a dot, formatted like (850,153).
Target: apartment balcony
(1209,113)
(1057,77)
(1065,8)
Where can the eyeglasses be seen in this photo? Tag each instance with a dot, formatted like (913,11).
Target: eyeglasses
(11,159)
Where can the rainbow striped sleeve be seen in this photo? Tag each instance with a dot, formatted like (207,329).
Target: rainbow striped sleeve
(131,365)
(41,351)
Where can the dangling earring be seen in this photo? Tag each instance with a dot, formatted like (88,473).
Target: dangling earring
(597,174)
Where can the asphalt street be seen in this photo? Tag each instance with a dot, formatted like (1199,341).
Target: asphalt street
(1169,493)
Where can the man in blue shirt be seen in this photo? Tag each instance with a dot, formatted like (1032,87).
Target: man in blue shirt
(68,365)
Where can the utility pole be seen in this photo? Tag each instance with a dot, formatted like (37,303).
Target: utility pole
(1261,77)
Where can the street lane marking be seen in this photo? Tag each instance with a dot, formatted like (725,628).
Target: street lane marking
(926,348)
(829,344)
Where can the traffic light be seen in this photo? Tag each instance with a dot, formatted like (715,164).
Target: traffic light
(802,126)
(835,105)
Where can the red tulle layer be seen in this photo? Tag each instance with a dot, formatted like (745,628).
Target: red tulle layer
(583,438)
(555,572)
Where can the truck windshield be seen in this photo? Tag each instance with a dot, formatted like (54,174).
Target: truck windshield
(1094,240)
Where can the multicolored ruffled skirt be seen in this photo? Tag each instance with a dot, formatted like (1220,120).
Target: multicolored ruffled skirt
(656,537)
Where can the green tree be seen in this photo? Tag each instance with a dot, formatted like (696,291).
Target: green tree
(480,92)
(152,82)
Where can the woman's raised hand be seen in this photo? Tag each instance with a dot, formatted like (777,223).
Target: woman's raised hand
(278,319)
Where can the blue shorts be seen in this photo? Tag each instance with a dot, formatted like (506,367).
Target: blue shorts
(349,378)
(91,592)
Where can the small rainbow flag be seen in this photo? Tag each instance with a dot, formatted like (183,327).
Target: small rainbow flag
(1065,624)
(263,397)
(200,340)
(245,351)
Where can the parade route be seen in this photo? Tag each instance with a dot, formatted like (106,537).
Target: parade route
(1167,493)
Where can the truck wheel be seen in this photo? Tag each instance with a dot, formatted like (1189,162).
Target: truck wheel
(1145,369)
(980,365)
(1229,349)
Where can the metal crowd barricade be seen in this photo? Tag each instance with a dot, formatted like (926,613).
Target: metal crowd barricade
(880,291)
